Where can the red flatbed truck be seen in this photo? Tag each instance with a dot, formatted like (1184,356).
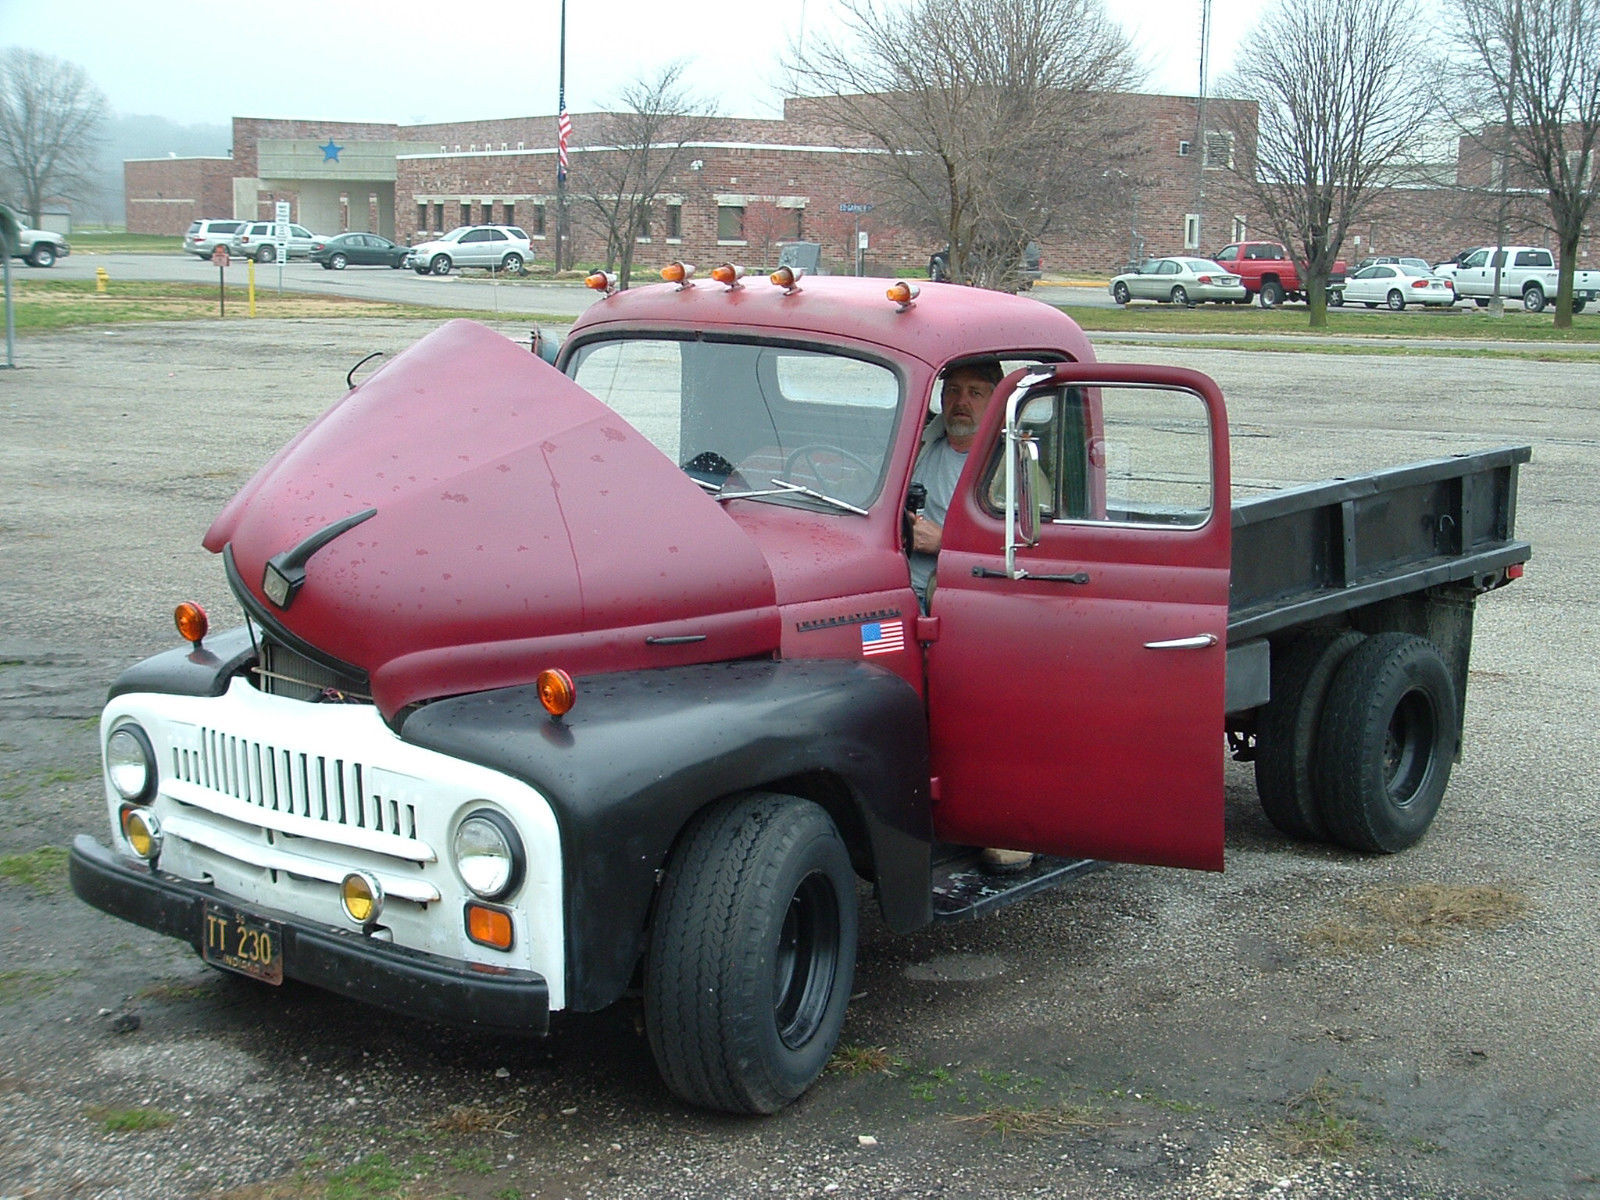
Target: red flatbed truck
(558,685)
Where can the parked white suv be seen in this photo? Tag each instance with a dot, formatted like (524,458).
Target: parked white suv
(498,247)
(254,240)
(204,236)
(40,247)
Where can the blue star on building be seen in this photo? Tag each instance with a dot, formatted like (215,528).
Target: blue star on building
(330,152)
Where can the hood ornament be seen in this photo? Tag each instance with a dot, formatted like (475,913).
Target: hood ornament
(286,571)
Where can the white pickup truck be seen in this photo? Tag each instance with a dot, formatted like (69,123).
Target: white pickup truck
(1526,271)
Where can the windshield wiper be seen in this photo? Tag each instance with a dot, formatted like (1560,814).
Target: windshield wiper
(782,487)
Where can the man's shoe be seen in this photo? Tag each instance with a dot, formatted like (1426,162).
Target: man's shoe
(1004,862)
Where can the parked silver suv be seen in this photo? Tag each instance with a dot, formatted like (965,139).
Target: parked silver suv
(498,247)
(204,236)
(254,240)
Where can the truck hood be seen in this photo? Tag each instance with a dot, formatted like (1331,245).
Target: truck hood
(520,524)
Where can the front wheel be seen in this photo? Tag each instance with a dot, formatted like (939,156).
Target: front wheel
(1386,742)
(1271,293)
(43,256)
(1579,305)
(1533,298)
(1120,293)
(752,953)
(1180,296)
(440,264)
(1336,298)
(1397,301)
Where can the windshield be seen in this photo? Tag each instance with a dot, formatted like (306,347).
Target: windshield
(744,418)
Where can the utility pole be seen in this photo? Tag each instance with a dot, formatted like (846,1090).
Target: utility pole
(562,126)
(1200,132)
(1497,303)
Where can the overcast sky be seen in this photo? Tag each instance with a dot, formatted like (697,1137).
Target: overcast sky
(408,62)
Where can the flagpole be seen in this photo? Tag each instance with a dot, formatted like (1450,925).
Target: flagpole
(561,150)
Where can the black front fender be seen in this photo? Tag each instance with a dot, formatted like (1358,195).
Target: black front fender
(642,751)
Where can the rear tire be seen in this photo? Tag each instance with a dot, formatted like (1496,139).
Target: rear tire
(1533,298)
(1386,743)
(511,264)
(752,953)
(1271,293)
(1286,734)
(338,262)
(266,254)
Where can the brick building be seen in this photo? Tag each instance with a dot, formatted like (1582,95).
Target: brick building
(748,187)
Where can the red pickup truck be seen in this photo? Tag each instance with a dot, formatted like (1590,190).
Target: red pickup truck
(1269,273)
(559,684)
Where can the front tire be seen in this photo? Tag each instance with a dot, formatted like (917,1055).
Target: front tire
(43,256)
(1120,293)
(440,264)
(752,953)
(1180,296)
(1336,298)
(1397,301)
(1386,743)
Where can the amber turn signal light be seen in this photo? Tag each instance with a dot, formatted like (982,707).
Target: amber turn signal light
(489,926)
(192,622)
(788,278)
(728,273)
(556,692)
(678,272)
(602,281)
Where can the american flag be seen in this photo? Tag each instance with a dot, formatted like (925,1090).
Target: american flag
(563,132)
(882,637)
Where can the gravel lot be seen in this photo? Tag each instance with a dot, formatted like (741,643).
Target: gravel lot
(1143,1033)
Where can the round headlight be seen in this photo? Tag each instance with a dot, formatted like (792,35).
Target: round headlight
(130,763)
(488,854)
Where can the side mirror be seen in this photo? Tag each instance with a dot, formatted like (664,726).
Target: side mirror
(1025,520)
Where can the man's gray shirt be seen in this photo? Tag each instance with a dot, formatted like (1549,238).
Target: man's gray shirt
(938,468)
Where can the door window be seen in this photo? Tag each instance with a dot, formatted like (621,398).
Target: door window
(1117,454)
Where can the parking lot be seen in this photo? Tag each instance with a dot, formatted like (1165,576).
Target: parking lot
(1290,1027)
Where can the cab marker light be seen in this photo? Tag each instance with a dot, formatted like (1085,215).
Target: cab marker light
(556,691)
(903,294)
(192,623)
(680,273)
(489,926)
(730,274)
(788,278)
(602,281)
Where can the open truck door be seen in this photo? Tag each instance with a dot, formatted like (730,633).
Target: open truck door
(1075,683)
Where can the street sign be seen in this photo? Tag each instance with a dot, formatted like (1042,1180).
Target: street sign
(848,207)
(280,231)
(220,255)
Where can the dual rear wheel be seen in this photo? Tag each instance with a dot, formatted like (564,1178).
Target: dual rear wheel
(1357,742)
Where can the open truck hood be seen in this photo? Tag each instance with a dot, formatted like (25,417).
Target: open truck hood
(520,524)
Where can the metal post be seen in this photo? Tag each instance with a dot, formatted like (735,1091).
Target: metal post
(1200,121)
(11,321)
(561,174)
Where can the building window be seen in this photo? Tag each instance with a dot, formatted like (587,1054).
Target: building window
(1219,149)
(799,224)
(422,216)
(674,222)
(510,211)
(647,220)
(730,223)
(538,220)
(466,213)
(1191,231)
(438,217)
(1183,149)
(1238,229)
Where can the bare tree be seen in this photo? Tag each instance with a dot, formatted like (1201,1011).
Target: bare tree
(981,122)
(50,118)
(650,135)
(1334,121)
(1536,67)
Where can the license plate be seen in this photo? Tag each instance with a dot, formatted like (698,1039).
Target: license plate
(240,942)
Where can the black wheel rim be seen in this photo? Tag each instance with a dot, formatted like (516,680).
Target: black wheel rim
(806,962)
(1408,748)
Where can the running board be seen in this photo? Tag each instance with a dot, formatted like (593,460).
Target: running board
(963,890)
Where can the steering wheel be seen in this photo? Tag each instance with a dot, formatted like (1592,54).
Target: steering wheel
(808,456)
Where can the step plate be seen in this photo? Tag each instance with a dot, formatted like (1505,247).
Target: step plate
(963,890)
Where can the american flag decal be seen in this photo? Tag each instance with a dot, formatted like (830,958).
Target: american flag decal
(882,637)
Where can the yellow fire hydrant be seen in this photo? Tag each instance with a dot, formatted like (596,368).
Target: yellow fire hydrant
(101,278)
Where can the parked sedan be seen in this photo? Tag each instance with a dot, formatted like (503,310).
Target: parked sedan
(1179,281)
(358,250)
(1397,285)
